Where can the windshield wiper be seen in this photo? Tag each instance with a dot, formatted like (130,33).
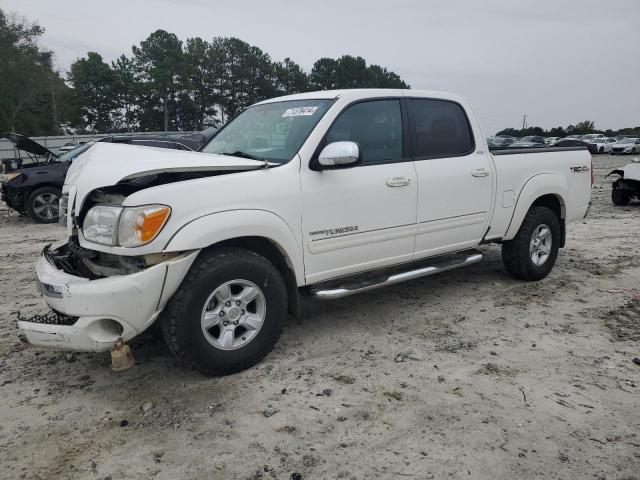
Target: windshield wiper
(239,153)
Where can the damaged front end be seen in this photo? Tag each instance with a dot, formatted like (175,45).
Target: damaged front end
(99,298)
(73,259)
(627,186)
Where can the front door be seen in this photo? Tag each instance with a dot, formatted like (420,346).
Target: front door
(455,183)
(364,217)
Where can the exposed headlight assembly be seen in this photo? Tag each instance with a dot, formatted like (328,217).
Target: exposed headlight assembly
(124,226)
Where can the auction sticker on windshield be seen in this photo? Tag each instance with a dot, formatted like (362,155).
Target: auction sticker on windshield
(299,111)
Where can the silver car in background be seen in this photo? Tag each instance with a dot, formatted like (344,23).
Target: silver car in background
(626,145)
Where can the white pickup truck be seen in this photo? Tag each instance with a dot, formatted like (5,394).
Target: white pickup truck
(325,193)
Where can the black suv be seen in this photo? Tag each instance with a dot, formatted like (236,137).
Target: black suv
(34,188)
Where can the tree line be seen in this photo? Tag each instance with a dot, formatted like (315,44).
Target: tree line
(162,84)
(580,128)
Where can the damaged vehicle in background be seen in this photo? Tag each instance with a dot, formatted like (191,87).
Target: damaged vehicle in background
(324,194)
(36,191)
(627,186)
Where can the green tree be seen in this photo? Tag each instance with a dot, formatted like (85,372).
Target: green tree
(159,60)
(247,74)
(95,85)
(352,72)
(582,128)
(290,78)
(126,90)
(30,89)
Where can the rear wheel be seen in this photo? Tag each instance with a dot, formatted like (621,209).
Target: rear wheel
(533,252)
(228,312)
(619,196)
(43,204)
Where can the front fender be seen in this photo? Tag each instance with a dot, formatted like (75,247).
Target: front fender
(217,227)
(534,188)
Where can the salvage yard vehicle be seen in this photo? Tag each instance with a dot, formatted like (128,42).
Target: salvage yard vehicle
(571,142)
(36,191)
(325,194)
(628,185)
(626,145)
(603,144)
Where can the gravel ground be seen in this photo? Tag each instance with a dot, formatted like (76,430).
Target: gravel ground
(469,374)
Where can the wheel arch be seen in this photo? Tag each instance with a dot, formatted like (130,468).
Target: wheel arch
(257,230)
(546,190)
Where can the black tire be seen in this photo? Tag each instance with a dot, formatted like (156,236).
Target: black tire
(516,256)
(601,150)
(619,197)
(181,319)
(51,206)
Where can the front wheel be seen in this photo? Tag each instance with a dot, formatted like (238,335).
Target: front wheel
(601,150)
(43,204)
(619,197)
(228,312)
(533,252)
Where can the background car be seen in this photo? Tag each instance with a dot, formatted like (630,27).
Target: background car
(530,141)
(500,142)
(572,142)
(603,143)
(551,140)
(36,191)
(626,145)
(591,136)
(573,137)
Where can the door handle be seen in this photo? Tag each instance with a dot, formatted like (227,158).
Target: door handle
(398,181)
(480,172)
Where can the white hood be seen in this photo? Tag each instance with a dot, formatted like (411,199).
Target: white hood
(107,163)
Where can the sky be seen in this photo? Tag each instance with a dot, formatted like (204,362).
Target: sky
(557,61)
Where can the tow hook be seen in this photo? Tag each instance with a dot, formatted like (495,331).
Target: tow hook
(121,357)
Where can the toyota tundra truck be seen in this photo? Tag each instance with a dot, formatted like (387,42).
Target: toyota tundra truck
(323,194)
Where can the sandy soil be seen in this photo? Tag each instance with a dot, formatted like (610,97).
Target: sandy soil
(470,374)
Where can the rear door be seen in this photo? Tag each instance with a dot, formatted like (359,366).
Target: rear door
(364,217)
(455,177)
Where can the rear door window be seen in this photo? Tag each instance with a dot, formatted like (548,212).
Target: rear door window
(440,128)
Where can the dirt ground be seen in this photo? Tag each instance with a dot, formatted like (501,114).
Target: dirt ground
(466,375)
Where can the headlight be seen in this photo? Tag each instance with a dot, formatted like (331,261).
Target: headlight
(139,225)
(124,226)
(101,224)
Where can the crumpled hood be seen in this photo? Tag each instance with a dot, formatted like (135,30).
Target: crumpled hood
(106,164)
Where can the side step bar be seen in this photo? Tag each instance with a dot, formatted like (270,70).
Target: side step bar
(432,268)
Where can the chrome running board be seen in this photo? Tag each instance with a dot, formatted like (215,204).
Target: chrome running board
(359,284)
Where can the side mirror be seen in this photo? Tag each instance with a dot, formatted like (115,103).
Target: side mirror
(339,155)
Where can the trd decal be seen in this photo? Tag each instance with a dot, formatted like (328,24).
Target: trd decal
(583,168)
(334,231)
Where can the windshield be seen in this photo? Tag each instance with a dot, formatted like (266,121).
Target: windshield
(528,139)
(272,131)
(72,154)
